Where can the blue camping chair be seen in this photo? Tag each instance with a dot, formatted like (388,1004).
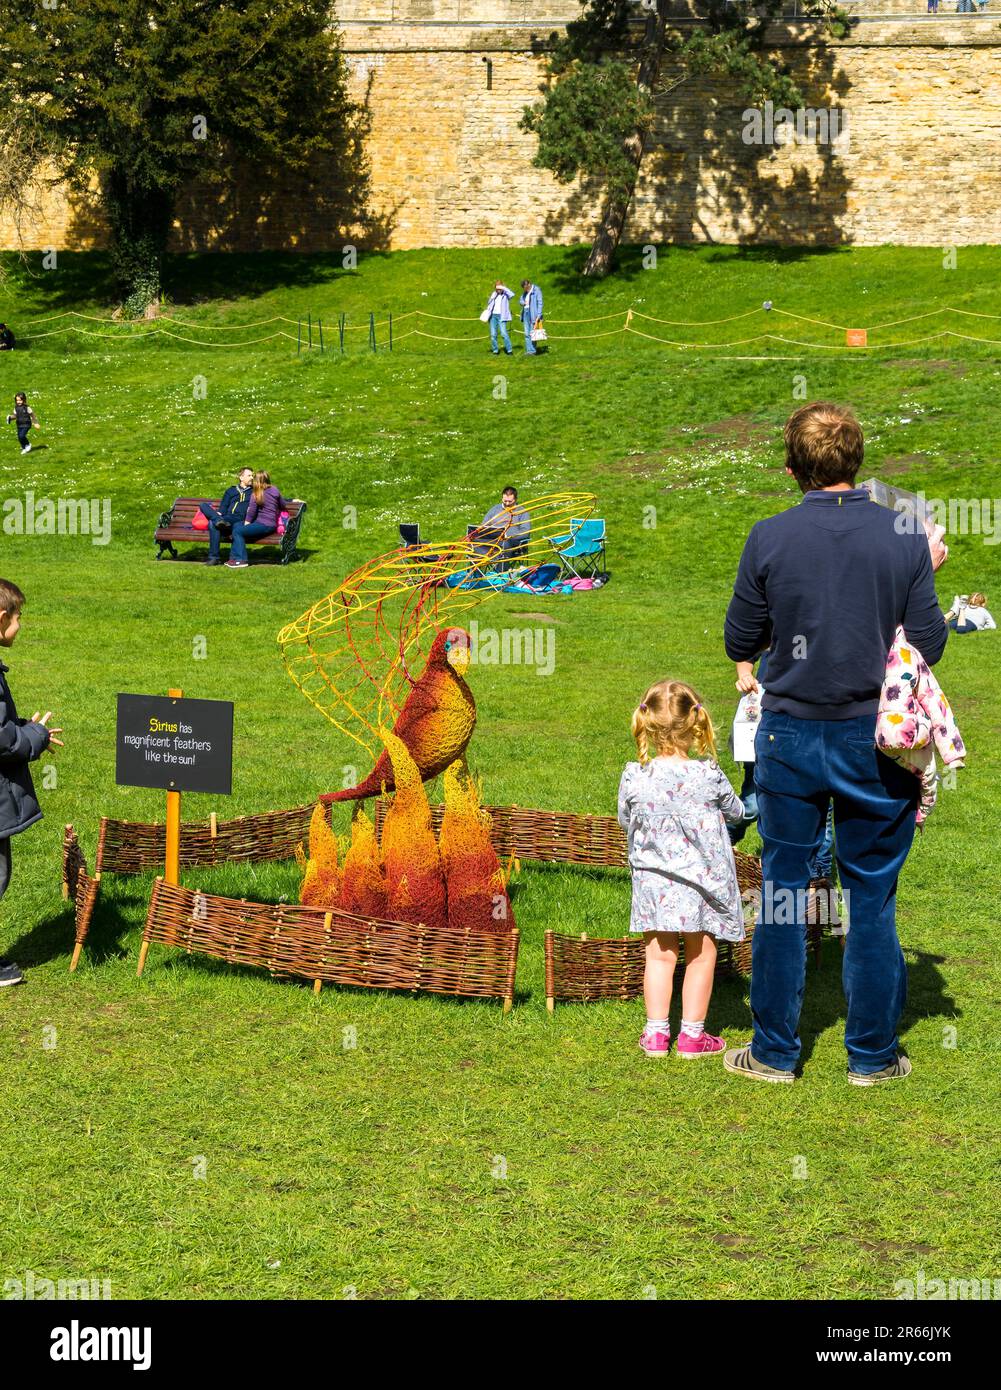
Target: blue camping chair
(582,550)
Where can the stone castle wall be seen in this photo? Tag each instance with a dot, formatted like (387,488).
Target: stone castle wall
(918,160)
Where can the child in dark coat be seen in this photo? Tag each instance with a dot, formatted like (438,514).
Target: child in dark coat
(22,741)
(24,417)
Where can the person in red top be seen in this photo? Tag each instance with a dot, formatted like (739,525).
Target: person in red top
(263,512)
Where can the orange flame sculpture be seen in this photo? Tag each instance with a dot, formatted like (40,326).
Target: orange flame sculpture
(475,883)
(321,884)
(456,880)
(363,884)
(414,878)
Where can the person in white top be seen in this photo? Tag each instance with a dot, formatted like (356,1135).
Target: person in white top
(969,614)
(498,315)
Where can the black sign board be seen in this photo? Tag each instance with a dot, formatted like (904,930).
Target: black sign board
(177,745)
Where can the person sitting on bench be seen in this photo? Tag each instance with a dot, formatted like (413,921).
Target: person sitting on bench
(513,522)
(232,508)
(263,512)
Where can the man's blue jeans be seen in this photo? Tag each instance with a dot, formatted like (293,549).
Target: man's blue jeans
(749,799)
(215,520)
(497,323)
(526,320)
(801,764)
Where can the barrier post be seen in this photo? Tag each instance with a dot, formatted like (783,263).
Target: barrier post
(343,320)
(298,336)
(319,324)
(391,332)
(371,330)
(172,867)
(310,328)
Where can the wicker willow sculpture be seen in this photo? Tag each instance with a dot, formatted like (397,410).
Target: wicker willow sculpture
(368,650)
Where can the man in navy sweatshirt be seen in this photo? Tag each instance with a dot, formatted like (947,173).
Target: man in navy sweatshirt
(824,586)
(232,509)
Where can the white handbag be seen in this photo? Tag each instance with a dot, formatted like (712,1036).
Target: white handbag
(539,334)
(485,316)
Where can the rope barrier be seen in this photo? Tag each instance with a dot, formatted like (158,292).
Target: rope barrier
(134,331)
(181,323)
(696,323)
(158,333)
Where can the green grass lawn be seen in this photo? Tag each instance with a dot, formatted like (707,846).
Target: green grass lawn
(455,1152)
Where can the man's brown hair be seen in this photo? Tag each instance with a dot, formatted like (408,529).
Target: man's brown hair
(824,445)
(11,598)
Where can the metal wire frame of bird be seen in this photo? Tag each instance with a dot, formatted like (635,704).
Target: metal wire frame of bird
(358,652)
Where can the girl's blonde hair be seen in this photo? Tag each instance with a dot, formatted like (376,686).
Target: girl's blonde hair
(261,481)
(978,600)
(672,719)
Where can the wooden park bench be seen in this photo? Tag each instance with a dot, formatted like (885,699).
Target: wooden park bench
(175,526)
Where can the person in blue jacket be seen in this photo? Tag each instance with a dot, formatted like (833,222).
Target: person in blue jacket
(22,741)
(232,509)
(531,309)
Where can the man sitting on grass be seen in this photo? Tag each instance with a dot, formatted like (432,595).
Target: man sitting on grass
(826,584)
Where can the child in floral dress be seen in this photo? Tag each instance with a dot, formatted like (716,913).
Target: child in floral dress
(674,809)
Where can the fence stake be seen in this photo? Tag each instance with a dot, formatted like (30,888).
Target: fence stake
(298,336)
(391,333)
(310,325)
(371,330)
(319,324)
(343,320)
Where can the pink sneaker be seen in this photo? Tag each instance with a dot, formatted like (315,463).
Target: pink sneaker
(655,1044)
(699,1047)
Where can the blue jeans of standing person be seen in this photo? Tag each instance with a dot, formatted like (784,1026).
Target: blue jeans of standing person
(749,798)
(497,324)
(802,766)
(823,858)
(247,531)
(526,321)
(216,536)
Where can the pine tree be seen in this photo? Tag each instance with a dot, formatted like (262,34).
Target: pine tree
(598,100)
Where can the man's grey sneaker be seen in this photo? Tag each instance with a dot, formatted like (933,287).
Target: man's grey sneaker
(896,1071)
(739,1060)
(10,974)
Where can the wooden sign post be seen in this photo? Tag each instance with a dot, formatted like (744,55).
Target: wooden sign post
(176,745)
(172,868)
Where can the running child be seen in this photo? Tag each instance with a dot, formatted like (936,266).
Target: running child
(24,417)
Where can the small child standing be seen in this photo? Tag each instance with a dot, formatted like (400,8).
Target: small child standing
(674,808)
(24,417)
(21,742)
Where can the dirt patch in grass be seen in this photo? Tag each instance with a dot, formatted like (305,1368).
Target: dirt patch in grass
(903,463)
(737,1247)
(736,431)
(896,1247)
(931,364)
(741,430)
